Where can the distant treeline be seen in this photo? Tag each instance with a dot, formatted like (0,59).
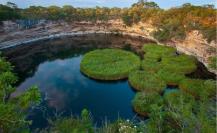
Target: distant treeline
(172,23)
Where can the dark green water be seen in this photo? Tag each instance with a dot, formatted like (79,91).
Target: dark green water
(54,66)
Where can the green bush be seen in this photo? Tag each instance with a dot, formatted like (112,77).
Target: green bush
(184,113)
(13,109)
(213,62)
(199,88)
(177,98)
(209,33)
(146,81)
(109,64)
(143,102)
(72,124)
(170,28)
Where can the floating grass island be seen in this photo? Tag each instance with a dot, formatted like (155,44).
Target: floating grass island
(143,101)
(157,52)
(149,65)
(161,66)
(109,64)
(147,82)
(182,64)
(170,77)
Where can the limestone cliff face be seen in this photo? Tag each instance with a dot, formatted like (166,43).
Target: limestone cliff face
(193,44)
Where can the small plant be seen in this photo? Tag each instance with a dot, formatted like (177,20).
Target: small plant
(126,126)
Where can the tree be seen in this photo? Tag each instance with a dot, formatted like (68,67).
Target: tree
(12,109)
(151,5)
(8,13)
(11,5)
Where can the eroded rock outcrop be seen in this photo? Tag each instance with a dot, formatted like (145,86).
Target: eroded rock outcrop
(193,44)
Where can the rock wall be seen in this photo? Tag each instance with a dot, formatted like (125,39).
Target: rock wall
(194,43)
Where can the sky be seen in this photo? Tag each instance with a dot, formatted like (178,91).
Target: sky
(107,3)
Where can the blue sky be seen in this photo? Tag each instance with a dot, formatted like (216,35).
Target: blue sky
(107,3)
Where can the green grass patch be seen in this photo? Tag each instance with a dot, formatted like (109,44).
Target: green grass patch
(143,102)
(109,64)
(157,56)
(182,64)
(170,77)
(199,88)
(146,81)
(156,52)
(150,65)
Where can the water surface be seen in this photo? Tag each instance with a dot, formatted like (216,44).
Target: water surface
(54,66)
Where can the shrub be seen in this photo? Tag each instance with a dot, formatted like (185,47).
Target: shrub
(209,33)
(199,88)
(143,102)
(177,98)
(171,28)
(73,125)
(213,62)
(146,81)
(184,113)
(13,109)
(109,64)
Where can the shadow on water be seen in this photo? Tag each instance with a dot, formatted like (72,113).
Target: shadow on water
(201,73)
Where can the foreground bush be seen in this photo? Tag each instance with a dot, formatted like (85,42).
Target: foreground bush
(72,125)
(146,82)
(13,109)
(183,113)
(109,64)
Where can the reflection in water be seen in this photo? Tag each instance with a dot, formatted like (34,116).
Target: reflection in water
(54,66)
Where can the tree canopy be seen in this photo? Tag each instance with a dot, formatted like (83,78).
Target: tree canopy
(171,23)
(13,109)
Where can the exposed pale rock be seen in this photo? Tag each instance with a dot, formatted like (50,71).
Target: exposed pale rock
(194,43)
